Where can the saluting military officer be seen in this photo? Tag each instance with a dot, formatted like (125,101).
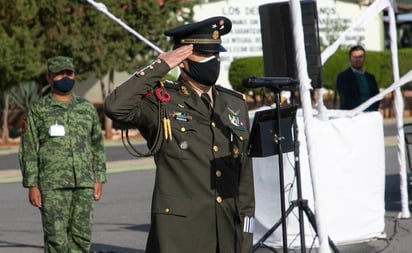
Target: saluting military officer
(63,162)
(203,199)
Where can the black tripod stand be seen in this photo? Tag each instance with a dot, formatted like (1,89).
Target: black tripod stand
(279,139)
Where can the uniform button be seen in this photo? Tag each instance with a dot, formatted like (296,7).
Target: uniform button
(182,129)
(241,138)
(184,145)
(235,152)
(213,124)
(141,73)
(167,210)
(159,61)
(219,199)
(218,173)
(151,67)
(215,148)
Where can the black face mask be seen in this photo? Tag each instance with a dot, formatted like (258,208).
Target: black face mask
(63,85)
(205,72)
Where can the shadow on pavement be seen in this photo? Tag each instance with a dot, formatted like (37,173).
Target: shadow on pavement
(141,227)
(104,248)
(392,193)
(4,244)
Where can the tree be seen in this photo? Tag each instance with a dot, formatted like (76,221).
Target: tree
(33,30)
(21,45)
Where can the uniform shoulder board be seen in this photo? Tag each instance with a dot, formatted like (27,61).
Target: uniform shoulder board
(171,84)
(231,92)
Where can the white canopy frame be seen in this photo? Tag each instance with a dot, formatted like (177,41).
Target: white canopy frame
(372,11)
(377,7)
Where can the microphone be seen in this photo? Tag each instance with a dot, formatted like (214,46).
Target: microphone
(279,83)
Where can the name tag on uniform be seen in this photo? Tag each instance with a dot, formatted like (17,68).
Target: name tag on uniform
(56,130)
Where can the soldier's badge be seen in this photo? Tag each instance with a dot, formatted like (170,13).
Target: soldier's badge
(237,123)
(184,90)
(181,116)
(215,35)
(162,95)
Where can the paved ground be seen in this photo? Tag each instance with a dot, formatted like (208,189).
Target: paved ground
(122,216)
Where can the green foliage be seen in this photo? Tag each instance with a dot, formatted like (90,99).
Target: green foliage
(22,95)
(20,42)
(405,63)
(380,65)
(242,68)
(31,31)
(335,64)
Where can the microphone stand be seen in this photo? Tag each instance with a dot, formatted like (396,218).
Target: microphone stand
(300,203)
(278,140)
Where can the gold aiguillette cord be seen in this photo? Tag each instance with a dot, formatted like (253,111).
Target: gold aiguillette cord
(167,129)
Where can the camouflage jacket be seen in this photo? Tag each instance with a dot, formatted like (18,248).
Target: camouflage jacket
(51,159)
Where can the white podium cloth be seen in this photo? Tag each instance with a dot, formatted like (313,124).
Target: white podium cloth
(351,155)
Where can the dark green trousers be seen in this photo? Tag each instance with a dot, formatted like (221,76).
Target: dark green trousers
(67,216)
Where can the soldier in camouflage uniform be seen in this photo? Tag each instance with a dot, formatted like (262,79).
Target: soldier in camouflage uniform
(63,162)
(203,198)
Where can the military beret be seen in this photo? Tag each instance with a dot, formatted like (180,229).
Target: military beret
(59,63)
(204,35)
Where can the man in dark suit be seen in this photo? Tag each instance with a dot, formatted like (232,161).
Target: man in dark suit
(203,199)
(355,85)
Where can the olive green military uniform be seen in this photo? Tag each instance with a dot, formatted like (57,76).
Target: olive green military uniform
(203,199)
(62,153)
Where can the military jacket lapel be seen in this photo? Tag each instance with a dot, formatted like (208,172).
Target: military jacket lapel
(220,106)
(195,103)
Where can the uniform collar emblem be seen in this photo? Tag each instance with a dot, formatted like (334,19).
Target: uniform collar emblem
(237,123)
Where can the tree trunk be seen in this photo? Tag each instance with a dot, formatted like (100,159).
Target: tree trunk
(5,128)
(108,124)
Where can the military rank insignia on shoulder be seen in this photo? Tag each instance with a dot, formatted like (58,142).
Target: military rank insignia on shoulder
(142,71)
(231,92)
(171,84)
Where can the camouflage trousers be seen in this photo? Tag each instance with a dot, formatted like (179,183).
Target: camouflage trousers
(67,217)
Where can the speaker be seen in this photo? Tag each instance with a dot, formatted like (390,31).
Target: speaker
(279,56)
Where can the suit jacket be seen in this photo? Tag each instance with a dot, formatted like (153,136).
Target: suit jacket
(204,194)
(349,92)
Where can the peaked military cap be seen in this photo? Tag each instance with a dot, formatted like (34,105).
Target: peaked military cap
(59,63)
(204,35)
